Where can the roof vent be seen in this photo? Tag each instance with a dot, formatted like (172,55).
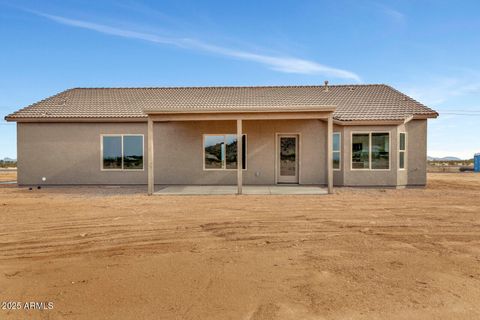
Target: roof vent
(326,85)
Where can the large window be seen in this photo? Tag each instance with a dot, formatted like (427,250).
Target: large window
(122,152)
(336,150)
(112,152)
(380,151)
(361,151)
(371,151)
(220,152)
(402,149)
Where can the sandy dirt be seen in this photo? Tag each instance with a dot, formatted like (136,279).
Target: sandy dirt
(115,253)
(8,175)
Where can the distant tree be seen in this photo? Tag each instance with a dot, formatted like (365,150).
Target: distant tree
(8,163)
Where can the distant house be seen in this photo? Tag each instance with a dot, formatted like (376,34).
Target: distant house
(342,135)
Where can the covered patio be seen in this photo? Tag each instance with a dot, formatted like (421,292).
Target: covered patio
(239,116)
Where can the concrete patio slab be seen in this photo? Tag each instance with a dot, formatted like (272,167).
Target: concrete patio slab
(298,190)
(252,190)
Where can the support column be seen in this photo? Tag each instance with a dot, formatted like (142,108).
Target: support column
(330,154)
(239,156)
(151,182)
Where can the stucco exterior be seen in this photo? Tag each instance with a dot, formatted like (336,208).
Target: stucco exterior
(417,152)
(185,165)
(365,177)
(415,173)
(70,153)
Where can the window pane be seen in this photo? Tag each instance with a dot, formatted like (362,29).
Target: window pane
(360,149)
(132,152)
(213,152)
(402,141)
(401,164)
(380,151)
(288,156)
(336,160)
(231,151)
(112,152)
(336,142)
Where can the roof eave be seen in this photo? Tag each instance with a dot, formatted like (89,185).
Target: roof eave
(76,119)
(432,115)
(386,121)
(283,109)
(368,122)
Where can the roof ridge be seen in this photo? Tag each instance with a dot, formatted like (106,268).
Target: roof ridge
(233,87)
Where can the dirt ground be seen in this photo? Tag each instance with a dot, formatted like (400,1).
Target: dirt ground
(8,175)
(115,253)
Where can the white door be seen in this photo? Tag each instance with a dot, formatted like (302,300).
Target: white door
(287,158)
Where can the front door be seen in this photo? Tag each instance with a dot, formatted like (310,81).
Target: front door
(287,158)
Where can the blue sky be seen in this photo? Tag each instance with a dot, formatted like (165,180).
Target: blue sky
(427,49)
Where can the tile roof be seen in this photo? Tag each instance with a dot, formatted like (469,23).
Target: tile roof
(353,102)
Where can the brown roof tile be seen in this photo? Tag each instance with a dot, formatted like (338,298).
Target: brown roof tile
(353,102)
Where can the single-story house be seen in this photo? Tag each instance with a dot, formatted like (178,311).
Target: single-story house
(331,135)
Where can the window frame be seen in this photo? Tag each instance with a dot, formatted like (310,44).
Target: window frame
(339,151)
(405,161)
(224,163)
(122,135)
(370,150)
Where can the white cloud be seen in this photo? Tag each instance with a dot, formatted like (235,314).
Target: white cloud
(456,98)
(278,63)
(437,90)
(393,14)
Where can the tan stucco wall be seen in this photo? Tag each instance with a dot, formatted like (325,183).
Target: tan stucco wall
(416,173)
(69,153)
(185,140)
(417,152)
(369,177)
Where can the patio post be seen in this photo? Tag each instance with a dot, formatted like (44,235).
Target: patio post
(239,156)
(151,182)
(330,154)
